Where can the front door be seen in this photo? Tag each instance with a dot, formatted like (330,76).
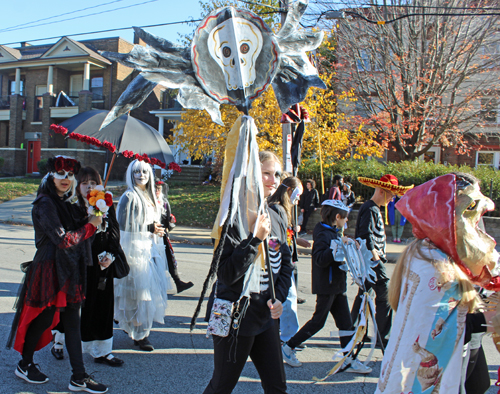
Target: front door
(34,150)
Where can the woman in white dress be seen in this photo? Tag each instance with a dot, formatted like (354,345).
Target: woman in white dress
(141,297)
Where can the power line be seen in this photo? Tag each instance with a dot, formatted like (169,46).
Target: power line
(338,15)
(83,16)
(360,5)
(121,28)
(106,31)
(57,16)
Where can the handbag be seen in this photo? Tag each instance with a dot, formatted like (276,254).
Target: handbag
(220,318)
(224,314)
(121,267)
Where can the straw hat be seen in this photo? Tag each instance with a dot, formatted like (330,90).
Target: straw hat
(387,182)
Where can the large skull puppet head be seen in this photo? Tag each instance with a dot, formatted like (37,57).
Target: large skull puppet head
(235,45)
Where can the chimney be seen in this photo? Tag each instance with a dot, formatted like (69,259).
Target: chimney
(25,44)
(138,41)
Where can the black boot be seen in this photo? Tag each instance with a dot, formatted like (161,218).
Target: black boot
(181,286)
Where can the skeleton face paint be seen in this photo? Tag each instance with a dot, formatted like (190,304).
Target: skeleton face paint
(235,45)
(63,175)
(141,177)
(475,248)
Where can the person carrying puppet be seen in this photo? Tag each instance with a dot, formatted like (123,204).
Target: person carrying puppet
(432,288)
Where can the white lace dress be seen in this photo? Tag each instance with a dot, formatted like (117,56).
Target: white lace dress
(140,297)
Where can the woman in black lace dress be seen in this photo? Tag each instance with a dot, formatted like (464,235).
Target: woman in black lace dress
(54,284)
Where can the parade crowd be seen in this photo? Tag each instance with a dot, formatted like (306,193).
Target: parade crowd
(96,267)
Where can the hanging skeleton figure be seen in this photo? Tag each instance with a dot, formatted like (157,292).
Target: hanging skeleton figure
(233,58)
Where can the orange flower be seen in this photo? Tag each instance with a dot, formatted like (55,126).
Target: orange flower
(93,193)
(100,196)
(92,200)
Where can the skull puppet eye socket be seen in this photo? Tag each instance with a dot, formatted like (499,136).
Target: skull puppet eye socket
(244,48)
(226,51)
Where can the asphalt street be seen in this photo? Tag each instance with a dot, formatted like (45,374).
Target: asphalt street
(182,361)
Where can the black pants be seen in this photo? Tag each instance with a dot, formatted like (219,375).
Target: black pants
(305,218)
(70,319)
(478,377)
(383,311)
(172,266)
(337,305)
(264,350)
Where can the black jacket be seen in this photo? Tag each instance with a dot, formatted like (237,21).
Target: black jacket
(370,226)
(237,256)
(327,277)
(309,200)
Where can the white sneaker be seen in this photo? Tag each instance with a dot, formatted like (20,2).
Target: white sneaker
(289,356)
(355,366)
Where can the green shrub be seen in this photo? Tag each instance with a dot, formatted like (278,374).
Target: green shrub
(408,173)
(42,166)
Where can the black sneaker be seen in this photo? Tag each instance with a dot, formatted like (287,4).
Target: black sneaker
(145,345)
(31,374)
(87,384)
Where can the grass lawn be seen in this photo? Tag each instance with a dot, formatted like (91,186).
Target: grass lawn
(11,188)
(194,205)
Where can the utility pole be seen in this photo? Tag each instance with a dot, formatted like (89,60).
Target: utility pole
(287,133)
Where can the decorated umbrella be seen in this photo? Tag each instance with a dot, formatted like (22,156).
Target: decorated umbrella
(234,57)
(127,136)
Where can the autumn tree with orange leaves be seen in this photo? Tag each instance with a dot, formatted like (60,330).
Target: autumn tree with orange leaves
(425,79)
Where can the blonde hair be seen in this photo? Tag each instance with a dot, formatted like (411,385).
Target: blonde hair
(448,271)
(267,156)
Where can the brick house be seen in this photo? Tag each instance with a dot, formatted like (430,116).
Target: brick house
(375,60)
(31,79)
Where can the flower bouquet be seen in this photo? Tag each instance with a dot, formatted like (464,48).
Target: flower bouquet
(99,201)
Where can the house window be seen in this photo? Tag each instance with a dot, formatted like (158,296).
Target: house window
(369,61)
(488,158)
(96,85)
(13,87)
(363,61)
(433,155)
(489,109)
(490,54)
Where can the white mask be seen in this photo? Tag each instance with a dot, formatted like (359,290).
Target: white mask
(294,198)
(141,177)
(67,174)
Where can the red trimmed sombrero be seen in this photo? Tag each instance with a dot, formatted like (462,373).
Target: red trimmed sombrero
(387,182)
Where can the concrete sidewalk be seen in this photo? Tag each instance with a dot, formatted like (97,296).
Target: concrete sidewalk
(18,211)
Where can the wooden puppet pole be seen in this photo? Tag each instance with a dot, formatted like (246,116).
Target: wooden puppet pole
(321,166)
(109,169)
